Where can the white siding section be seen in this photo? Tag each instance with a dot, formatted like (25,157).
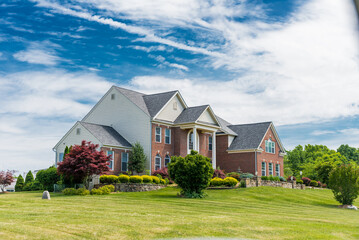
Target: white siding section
(230,140)
(169,113)
(72,138)
(125,117)
(207,117)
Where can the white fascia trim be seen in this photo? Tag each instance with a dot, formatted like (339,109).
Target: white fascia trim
(174,95)
(165,123)
(116,147)
(200,125)
(271,126)
(211,112)
(225,134)
(243,151)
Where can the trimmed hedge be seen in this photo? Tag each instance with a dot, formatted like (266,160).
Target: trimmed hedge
(147,179)
(155,180)
(123,179)
(163,181)
(216,182)
(136,179)
(230,182)
(108,179)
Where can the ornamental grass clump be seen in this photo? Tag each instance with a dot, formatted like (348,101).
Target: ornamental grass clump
(230,182)
(192,173)
(215,182)
(136,179)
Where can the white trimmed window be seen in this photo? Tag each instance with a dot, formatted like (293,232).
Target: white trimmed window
(124,162)
(175,106)
(78,131)
(158,134)
(168,135)
(270,146)
(270,166)
(277,170)
(264,169)
(210,145)
(157,162)
(113,96)
(111,163)
(167,160)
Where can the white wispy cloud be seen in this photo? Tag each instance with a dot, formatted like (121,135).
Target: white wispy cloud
(39,53)
(322,132)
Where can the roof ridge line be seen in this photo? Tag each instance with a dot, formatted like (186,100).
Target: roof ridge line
(249,123)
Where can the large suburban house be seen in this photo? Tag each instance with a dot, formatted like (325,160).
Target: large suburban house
(165,126)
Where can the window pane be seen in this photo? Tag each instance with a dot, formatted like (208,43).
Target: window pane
(190,144)
(158,130)
(61,157)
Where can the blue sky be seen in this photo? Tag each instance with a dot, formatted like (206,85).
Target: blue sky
(295,63)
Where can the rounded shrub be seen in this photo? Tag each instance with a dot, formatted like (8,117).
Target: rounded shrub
(192,173)
(306,181)
(216,182)
(313,183)
(135,179)
(234,175)
(69,191)
(299,181)
(123,178)
(82,191)
(110,187)
(244,175)
(108,179)
(243,184)
(156,180)
(147,179)
(320,184)
(95,191)
(163,181)
(230,182)
(167,181)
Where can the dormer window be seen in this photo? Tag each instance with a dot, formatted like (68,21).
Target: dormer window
(175,106)
(270,146)
(78,131)
(113,96)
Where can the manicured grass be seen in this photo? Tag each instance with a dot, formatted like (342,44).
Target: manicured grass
(254,213)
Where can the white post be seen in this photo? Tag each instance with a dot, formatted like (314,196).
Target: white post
(195,139)
(214,163)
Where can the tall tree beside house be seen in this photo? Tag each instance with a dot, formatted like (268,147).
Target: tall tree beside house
(137,158)
(82,162)
(19,183)
(6,178)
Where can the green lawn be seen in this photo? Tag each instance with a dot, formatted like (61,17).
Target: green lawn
(254,213)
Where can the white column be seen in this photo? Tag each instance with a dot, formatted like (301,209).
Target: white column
(214,163)
(195,139)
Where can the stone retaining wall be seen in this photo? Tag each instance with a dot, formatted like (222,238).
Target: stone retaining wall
(258,182)
(133,187)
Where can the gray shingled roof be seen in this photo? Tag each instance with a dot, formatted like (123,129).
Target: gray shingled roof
(155,102)
(106,135)
(135,97)
(190,114)
(249,135)
(224,126)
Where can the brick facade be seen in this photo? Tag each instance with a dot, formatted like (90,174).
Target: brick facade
(269,157)
(117,159)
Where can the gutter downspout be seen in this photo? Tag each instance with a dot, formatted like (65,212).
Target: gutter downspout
(255,162)
(54,150)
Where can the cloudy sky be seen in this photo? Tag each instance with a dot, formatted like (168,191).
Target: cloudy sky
(293,62)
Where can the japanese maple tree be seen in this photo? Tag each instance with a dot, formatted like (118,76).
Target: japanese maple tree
(82,162)
(6,178)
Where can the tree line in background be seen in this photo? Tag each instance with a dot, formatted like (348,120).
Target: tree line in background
(317,161)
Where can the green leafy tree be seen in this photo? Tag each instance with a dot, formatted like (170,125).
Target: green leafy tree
(137,158)
(350,153)
(192,173)
(343,181)
(36,185)
(29,178)
(19,183)
(48,178)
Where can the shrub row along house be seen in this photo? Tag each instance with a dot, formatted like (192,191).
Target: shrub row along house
(165,126)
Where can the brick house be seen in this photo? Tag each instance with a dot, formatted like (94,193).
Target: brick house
(165,126)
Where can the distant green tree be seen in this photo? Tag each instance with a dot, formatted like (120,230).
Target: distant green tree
(29,178)
(344,182)
(137,158)
(350,153)
(19,183)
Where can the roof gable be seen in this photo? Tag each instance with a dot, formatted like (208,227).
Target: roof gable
(224,127)
(249,136)
(190,114)
(135,97)
(156,102)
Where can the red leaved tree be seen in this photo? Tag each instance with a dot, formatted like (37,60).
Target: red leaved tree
(82,162)
(6,179)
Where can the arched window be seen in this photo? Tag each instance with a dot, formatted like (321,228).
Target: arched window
(157,162)
(167,160)
(190,144)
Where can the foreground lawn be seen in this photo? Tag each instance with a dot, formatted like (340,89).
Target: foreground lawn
(254,213)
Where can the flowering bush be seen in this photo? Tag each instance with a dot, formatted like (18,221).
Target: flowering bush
(217,182)
(230,182)
(163,172)
(320,184)
(306,181)
(147,179)
(218,173)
